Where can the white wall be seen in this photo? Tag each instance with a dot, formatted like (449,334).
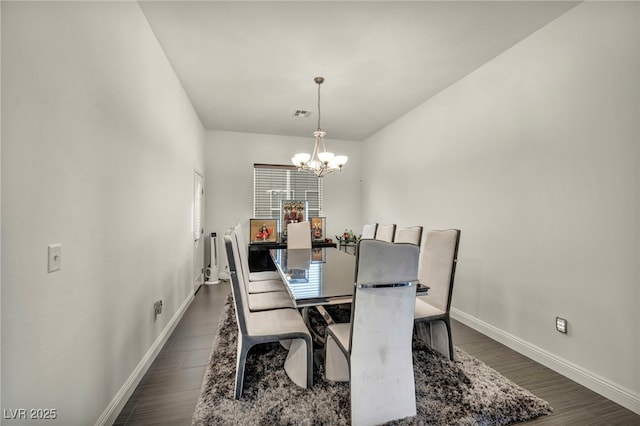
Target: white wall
(0,210)
(535,156)
(229,158)
(99,147)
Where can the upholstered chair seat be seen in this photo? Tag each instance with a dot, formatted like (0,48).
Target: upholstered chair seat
(265,286)
(264,276)
(424,309)
(269,300)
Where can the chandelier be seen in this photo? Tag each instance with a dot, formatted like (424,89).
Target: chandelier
(320,162)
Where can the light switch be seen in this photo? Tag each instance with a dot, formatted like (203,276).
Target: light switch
(55,257)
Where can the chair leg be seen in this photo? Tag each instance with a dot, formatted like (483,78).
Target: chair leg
(440,340)
(243,350)
(336,363)
(309,342)
(422,331)
(285,343)
(297,363)
(447,322)
(437,334)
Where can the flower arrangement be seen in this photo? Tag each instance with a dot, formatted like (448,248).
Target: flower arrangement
(348,237)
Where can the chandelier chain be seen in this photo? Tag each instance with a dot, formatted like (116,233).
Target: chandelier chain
(319,106)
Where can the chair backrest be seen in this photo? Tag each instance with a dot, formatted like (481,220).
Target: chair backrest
(438,266)
(242,251)
(381,360)
(369,231)
(237,279)
(299,235)
(381,262)
(380,265)
(385,232)
(408,234)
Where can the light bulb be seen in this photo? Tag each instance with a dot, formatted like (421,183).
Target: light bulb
(302,157)
(340,160)
(325,157)
(314,164)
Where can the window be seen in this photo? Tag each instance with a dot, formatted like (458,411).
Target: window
(273,183)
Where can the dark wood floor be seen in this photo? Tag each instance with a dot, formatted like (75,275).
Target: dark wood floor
(168,392)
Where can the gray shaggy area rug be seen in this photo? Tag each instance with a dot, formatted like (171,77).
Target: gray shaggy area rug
(462,392)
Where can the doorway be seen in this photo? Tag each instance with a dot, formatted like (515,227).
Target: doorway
(198,230)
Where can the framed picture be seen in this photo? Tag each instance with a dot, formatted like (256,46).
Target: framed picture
(263,230)
(317,228)
(292,211)
(317,254)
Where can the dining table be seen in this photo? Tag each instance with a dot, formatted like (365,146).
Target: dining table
(318,277)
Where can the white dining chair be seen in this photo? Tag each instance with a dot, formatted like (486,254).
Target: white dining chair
(369,231)
(374,351)
(437,271)
(408,234)
(267,326)
(385,232)
(299,235)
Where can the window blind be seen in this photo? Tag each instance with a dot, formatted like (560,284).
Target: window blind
(274,183)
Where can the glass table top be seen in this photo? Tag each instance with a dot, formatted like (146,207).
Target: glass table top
(320,276)
(317,276)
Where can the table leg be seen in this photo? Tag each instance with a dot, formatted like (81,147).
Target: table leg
(317,338)
(325,315)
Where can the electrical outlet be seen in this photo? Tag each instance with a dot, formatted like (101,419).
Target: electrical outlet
(561,325)
(157,307)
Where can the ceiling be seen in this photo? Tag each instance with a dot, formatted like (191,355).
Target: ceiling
(247,66)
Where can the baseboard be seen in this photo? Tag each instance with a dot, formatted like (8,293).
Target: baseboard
(586,378)
(118,402)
